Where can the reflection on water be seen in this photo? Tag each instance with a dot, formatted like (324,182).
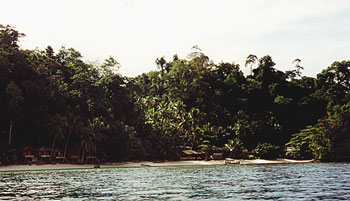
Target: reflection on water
(232,182)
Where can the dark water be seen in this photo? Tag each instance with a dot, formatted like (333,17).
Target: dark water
(315,181)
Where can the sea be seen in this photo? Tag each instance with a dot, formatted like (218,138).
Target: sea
(309,181)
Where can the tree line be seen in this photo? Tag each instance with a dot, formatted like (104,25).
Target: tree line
(55,99)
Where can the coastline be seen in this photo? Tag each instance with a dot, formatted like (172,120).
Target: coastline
(14,168)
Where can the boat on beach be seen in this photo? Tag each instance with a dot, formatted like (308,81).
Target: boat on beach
(232,161)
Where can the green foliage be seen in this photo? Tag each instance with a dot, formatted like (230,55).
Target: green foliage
(236,148)
(267,151)
(299,146)
(59,100)
(327,140)
(331,133)
(9,36)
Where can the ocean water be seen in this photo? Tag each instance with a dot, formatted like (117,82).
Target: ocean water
(312,181)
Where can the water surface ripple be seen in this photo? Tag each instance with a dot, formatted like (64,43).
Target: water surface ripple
(314,181)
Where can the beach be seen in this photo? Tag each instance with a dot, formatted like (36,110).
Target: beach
(34,167)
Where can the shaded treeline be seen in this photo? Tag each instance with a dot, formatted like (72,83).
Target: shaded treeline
(57,100)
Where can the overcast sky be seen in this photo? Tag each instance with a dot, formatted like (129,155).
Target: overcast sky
(136,32)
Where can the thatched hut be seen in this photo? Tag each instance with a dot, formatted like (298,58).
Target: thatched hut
(192,155)
(43,154)
(28,154)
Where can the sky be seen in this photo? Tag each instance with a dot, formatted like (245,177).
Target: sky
(136,32)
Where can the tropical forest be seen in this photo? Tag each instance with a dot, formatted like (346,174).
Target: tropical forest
(54,98)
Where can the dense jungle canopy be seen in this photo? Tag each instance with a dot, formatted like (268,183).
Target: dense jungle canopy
(55,99)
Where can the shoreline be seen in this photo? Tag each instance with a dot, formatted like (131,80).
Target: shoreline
(16,168)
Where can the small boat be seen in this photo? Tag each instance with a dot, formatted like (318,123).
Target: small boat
(231,161)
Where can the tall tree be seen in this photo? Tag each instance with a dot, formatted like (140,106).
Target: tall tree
(251,59)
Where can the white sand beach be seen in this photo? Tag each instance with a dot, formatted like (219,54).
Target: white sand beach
(10,168)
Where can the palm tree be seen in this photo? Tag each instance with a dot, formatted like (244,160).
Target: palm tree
(57,126)
(251,59)
(74,126)
(91,136)
(233,145)
(86,145)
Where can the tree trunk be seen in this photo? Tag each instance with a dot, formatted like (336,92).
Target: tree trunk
(10,132)
(251,69)
(53,146)
(65,147)
(82,158)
